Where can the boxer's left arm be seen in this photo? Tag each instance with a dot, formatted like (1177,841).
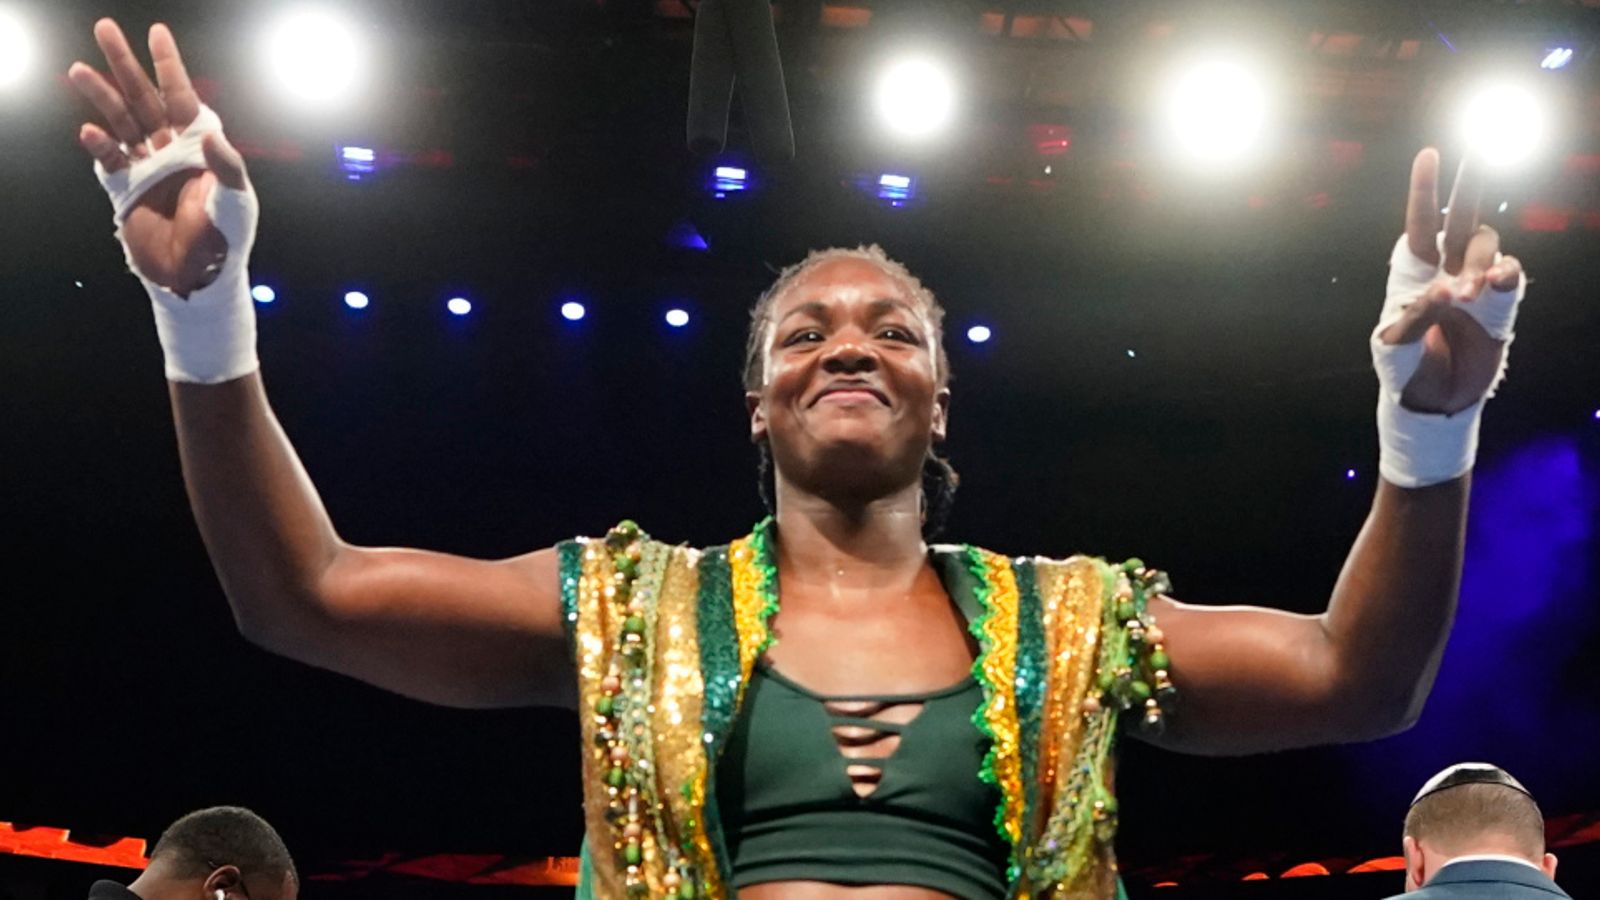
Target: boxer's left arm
(1253,679)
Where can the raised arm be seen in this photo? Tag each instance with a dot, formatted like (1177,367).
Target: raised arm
(1252,679)
(441,628)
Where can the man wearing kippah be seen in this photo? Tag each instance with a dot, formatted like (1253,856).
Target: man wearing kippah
(1475,832)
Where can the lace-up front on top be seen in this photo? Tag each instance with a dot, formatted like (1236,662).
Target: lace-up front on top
(860,789)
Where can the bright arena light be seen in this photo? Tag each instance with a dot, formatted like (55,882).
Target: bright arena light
(1557,58)
(263,294)
(1504,123)
(317,57)
(572,311)
(1214,111)
(979,334)
(459,306)
(677,318)
(16,48)
(916,97)
(356,300)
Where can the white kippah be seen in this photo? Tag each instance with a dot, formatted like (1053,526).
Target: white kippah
(1419,449)
(210,336)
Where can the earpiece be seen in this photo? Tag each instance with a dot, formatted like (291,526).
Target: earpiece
(222,894)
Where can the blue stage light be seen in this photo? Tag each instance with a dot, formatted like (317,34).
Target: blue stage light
(357,161)
(686,236)
(458,305)
(572,311)
(896,189)
(726,180)
(1556,58)
(263,294)
(979,334)
(677,318)
(1349,474)
(356,300)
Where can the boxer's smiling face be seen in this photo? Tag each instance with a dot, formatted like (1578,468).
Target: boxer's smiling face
(851,395)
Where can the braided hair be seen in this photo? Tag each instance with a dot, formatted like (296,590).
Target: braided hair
(939,479)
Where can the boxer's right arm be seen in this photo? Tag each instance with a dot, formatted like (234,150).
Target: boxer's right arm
(437,627)
(440,628)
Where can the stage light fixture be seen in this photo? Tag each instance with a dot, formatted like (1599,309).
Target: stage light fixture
(1132,354)
(727,180)
(896,189)
(357,162)
(677,318)
(16,48)
(458,306)
(1214,111)
(979,334)
(573,311)
(1556,58)
(317,57)
(262,293)
(1504,123)
(356,300)
(1349,474)
(916,97)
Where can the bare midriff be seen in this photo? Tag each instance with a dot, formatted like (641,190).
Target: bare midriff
(822,890)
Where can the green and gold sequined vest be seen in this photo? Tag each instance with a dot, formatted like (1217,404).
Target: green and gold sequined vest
(665,638)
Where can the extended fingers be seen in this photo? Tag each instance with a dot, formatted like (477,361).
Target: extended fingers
(99,145)
(182,103)
(108,100)
(142,99)
(1422,207)
(1461,223)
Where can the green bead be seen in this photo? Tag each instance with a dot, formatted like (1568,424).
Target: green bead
(1139,690)
(1110,805)
(633,625)
(685,890)
(627,566)
(632,854)
(628,527)
(1126,610)
(1160,660)
(615,776)
(1105,681)
(604,705)
(1133,564)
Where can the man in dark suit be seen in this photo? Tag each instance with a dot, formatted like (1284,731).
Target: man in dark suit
(1475,832)
(221,853)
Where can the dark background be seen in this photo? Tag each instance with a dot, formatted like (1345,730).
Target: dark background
(1218,451)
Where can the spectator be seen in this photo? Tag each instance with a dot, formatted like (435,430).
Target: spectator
(1473,831)
(221,853)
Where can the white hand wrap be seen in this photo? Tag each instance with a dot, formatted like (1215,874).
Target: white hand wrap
(210,337)
(1418,449)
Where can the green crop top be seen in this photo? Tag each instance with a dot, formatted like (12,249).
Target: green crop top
(790,813)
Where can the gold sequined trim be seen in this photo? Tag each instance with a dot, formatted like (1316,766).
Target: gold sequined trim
(749,607)
(999,664)
(680,754)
